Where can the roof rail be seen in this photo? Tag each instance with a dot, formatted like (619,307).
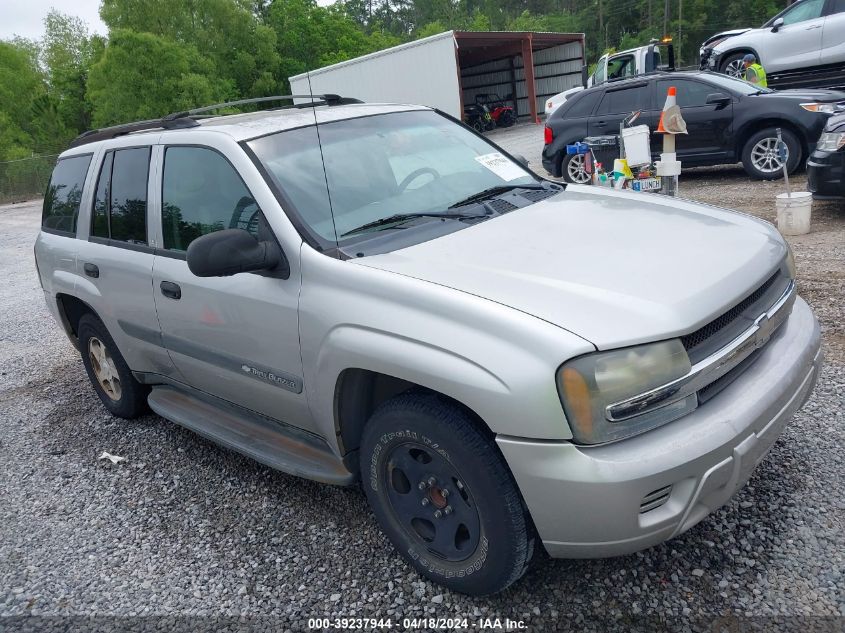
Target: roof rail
(185,120)
(328,99)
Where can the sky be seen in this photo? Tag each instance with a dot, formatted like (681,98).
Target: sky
(25,17)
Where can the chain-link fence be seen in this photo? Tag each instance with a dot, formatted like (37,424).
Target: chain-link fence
(25,178)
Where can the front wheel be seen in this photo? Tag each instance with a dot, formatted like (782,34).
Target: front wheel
(733,66)
(444,495)
(760,154)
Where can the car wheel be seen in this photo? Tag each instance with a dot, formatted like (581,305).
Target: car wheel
(112,379)
(733,65)
(760,154)
(573,169)
(444,496)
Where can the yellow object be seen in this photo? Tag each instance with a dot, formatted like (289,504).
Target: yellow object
(755,74)
(620,166)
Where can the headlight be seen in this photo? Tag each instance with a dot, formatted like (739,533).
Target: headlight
(831,141)
(591,384)
(827,108)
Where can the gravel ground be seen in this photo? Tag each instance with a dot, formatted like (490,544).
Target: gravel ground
(185,528)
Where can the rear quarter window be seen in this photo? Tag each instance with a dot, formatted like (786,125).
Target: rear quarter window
(64,194)
(581,105)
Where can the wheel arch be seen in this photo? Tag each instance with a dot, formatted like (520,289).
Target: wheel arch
(756,125)
(71,310)
(743,48)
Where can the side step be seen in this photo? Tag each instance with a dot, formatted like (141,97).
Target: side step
(274,444)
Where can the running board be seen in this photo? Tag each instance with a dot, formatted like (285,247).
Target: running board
(274,444)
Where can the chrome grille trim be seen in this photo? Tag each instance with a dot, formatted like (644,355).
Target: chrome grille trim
(711,368)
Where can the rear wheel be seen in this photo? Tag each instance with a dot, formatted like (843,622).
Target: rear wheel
(111,377)
(574,169)
(444,496)
(506,119)
(760,154)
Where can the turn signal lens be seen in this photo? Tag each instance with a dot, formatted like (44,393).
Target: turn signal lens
(826,108)
(790,262)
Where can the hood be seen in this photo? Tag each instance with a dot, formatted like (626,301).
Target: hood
(806,94)
(835,123)
(615,268)
(723,35)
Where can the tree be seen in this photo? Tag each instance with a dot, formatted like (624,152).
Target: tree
(142,76)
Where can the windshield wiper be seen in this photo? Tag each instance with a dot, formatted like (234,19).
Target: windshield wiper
(402,217)
(492,192)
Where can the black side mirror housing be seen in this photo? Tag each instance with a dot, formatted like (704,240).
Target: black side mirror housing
(719,99)
(584,76)
(776,25)
(232,251)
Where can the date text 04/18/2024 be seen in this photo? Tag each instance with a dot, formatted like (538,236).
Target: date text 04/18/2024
(418,624)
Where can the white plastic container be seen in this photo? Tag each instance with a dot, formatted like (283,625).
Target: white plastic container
(794,212)
(636,144)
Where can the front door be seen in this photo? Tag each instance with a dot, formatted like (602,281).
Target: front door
(709,127)
(234,337)
(797,43)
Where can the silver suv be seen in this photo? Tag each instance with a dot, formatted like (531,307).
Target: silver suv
(354,292)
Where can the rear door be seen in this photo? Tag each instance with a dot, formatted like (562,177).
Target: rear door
(796,44)
(617,103)
(833,34)
(115,258)
(709,127)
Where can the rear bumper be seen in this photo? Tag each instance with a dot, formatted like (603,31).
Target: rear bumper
(826,174)
(586,501)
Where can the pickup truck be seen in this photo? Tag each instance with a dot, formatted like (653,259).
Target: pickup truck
(611,66)
(503,363)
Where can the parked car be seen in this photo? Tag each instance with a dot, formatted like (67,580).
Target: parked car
(826,165)
(496,358)
(728,120)
(634,61)
(802,46)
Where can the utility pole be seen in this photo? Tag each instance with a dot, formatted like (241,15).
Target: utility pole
(666,18)
(601,22)
(680,33)
(650,23)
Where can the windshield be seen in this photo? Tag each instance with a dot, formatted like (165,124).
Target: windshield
(381,166)
(738,85)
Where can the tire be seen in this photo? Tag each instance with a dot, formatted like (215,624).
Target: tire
(758,160)
(506,119)
(421,456)
(478,125)
(732,65)
(111,378)
(572,169)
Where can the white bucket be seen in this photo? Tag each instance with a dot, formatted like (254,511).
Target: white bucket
(636,144)
(794,212)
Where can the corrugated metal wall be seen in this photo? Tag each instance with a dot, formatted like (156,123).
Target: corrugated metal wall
(555,69)
(421,72)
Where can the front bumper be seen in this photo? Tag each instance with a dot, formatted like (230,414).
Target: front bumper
(826,174)
(591,502)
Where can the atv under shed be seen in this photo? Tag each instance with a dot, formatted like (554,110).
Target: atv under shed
(448,70)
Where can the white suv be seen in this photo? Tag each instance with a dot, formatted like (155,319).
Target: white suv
(802,46)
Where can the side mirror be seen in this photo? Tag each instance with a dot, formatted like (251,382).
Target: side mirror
(229,252)
(719,99)
(584,76)
(777,24)
(521,160)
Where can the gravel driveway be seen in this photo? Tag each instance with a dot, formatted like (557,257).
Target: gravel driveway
(184,528)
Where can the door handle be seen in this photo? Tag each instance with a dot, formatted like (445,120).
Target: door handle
(171,290)
(815,26)
(92,270)
(600,123)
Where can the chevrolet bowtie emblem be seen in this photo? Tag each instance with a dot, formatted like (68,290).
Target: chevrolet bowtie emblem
(761,336)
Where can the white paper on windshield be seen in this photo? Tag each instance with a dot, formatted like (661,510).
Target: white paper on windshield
(503,167)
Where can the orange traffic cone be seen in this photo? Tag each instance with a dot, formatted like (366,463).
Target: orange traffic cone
(671,100)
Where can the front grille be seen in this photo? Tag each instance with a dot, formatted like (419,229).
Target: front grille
(655,499)
(725,328)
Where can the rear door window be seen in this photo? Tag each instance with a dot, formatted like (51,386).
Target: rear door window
(625,100)
(120,204)
(202,193)
(689,93)
(64,194)
(582,105)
